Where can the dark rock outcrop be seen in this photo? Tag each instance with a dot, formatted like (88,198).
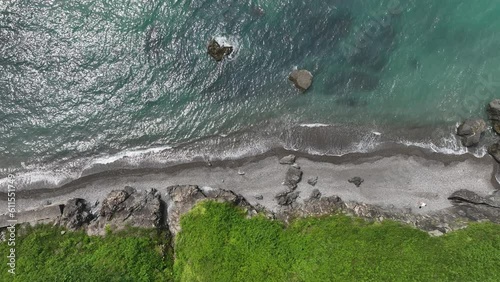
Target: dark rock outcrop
(217,51)
(471,131)
(301,78)
(356,181)
(473,198)
(494,114)
(290,159)
(128,207)
(286,198)
(494,151)
(76,214)
(293,177)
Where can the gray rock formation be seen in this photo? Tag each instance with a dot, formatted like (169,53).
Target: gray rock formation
(127,207)
(217,51)
(286,198)
(76,214)
(290,159)
(180,199)
(312,181)
(292,177)
(471,131)
(356,181)
(315,194)
(494,151)
(301,78)
(473,198)
(494,114)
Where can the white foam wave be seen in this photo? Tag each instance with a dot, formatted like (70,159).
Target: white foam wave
(130,155)
(312,125)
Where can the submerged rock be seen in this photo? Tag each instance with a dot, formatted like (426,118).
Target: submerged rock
(293,177)
(356,80)
(356,181)
(301,78)
(290,159)
(217,51)
(471,131)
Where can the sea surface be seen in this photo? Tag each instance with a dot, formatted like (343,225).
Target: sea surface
(89,83)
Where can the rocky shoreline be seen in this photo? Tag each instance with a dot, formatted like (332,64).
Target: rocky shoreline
(395,187)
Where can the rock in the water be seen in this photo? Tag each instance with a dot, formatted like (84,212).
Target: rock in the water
(290,159)
(218,52)
(494,151)
(287,198)
(494,114)
(293,177)
(301,78)
(356,181)
(76,214)
(315,194)
(470,131)
(312,181)
(494,110)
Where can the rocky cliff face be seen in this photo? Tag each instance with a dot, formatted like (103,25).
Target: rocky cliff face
(150,209)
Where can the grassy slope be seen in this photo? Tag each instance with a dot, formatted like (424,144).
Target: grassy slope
(43,254)
(218,244)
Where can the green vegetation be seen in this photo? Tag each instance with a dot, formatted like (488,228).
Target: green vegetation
(44,254)
(219,244)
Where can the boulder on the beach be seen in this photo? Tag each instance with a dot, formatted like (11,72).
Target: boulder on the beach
(315,194)
(468,196)
(292,177)
(494,151)
(217,51)
(287,198)
(76,214)
(356,181)
(312,181)
(290,159)
(301,78)
(471,131)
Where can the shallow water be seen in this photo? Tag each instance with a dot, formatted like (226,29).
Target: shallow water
(85,79)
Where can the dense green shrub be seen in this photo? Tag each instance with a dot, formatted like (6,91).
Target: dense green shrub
(44,254)
(219,244)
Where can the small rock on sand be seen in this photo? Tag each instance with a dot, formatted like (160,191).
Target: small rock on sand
(259,197)
(315,194)
(293,177)
(290,159)
(312,181)
(356,181)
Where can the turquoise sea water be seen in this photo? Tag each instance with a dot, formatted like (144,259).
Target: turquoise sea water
(86,78)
